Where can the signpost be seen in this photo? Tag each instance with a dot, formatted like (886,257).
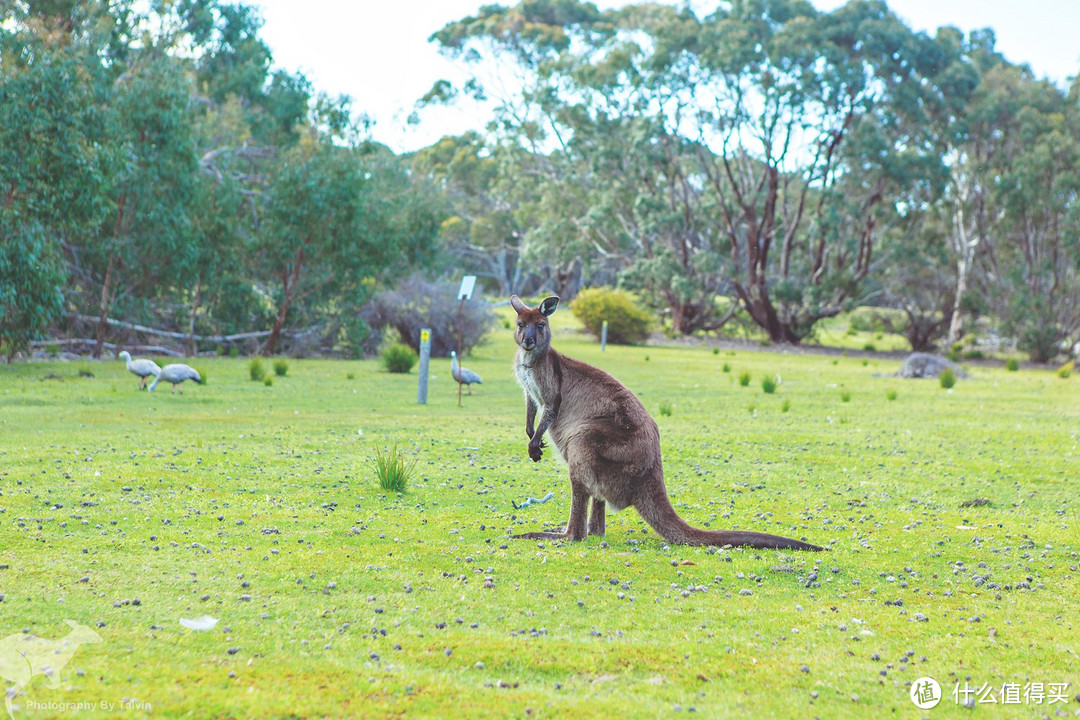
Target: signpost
(425,357)
(464,293)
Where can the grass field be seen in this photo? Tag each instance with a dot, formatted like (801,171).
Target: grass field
(951,519)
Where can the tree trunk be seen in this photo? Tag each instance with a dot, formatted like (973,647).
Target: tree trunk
(103,307)
(191,317)
(290,281)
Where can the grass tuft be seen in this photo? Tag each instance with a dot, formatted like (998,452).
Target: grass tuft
(281,367)
(392,469)
(256,370)
(890,395)
(768,385)
(665,408)
(947,378)
(744,378)
(1012,364)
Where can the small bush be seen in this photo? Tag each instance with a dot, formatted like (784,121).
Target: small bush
(392,469)
(955,352)
(1062,372)
(768,384)
(256,369)
(726,367)
(716,351)
(665,408)
(234,352)
(845,396)
(744,378)
(947,378)
(281,367)
(628,321)
(869,347)
(268,381)
(399,358)
(350,376)
(1012,364)
(890,395)
(786,405)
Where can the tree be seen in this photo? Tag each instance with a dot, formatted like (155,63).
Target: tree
(751,149)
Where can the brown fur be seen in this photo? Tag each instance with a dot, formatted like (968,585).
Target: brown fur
(609,441)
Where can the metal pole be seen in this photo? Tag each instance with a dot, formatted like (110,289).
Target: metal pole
(425,357)
(460,332)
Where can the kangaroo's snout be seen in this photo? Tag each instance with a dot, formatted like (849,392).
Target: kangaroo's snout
(528,343)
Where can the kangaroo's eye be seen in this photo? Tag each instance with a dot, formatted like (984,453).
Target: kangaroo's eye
(539,326)
(521,324)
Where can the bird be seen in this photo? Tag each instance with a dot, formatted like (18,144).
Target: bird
(463,375)
(142,367)
(176,374)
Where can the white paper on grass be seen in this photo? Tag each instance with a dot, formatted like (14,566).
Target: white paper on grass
(204,622)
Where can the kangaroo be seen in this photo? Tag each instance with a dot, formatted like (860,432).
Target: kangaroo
(609,442)
(24,656)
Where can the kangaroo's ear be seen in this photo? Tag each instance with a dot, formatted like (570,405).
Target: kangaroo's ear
(549,305)
(519,307)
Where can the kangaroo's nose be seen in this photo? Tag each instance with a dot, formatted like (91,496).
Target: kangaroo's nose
(528,343)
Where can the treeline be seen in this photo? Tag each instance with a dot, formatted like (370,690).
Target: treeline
(765,164)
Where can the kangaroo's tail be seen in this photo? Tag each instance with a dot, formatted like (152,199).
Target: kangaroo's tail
(656,509)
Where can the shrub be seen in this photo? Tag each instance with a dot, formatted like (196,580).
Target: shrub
(955,352)
(350,376)
(947,378)
(256,369)
(726,367)
(974,355)
(1012,364)
(869,347)
(716,351)
(890,395)
(744,378)
(268,381)
(417,303)
(1062,372)
(768,384)
(392,469)
(845,396)
(665,408)
(399,358)
(628,322)
(281,367)
(234,352)
(786,405)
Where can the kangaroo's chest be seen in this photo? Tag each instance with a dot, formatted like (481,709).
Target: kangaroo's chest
(529,383)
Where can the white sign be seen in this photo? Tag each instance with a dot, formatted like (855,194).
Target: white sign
(467,284)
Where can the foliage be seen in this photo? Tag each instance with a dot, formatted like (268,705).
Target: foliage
(947,378)
(417,303)
(768,385)
(268,381)
(256,370)
(665,408)
(1012,364)
(399,358)
(628,322)
(392,469)
(281,367)
(891,395)
(744,378)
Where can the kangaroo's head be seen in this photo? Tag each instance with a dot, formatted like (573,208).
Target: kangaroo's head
(533,334)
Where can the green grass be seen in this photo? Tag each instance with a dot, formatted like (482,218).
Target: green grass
(367,603)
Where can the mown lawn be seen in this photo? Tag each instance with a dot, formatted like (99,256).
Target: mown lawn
(951,518)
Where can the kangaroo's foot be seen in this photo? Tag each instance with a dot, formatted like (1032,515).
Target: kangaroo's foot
(546,535)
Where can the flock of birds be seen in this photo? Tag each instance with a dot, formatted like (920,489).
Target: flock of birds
(177,373)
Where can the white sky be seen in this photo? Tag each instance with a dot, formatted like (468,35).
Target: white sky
(377,51)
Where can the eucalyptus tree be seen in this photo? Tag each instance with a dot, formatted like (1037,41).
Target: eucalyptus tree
(54,169)
(749,151)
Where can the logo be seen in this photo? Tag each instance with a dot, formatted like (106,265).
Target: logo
(925,693)
(23,656)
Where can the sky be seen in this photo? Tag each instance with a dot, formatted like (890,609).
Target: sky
(377,51)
